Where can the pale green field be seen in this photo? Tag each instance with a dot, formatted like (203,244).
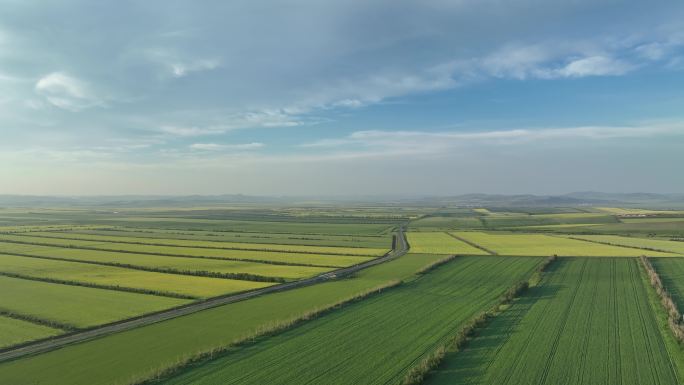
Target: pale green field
(309,259)
(219,245)
(165,262)
(567,225)
(14,331)
(75,305)
(630,211)
(439,243)
(544,245)
(646,243)
(651,220)
(199,287)
(360,241)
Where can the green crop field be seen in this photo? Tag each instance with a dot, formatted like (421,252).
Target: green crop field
(393,330)
(141,352)
(283,257)
(432,223)
(182,264)
(216,245)
(591,322)
(643,243)
(440,243)
(505,221)
(540,244)
(110,276)
(380,242)
(80,268)
(15,331)
(74,305)
(285,227)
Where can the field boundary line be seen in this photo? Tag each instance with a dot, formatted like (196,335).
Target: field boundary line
(198,247)
(378,235)
(473,244)
(48,344)
(266,262)
(615,244)
(198,273)
(137,234)
(91,285)
(37,321)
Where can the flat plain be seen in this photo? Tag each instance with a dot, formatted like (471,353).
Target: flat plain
(591,318)
(590,322)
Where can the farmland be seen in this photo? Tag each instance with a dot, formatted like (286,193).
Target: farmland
(638,243)
(589,322)
(57,262)
(143,351)
(70,271)
(440,243)
(15,331)
(65,305)
(250,255)
(409,319)
(545,245)
(121,278)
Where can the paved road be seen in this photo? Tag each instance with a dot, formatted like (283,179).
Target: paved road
(400,248)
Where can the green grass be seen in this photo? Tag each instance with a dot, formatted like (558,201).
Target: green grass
(590,322)
(283,257)
(75,305)
(645,243)
(143,351)
(194,265)
(393,331)
(671,271)
(14,331)
(439,243)
(218,245)
(199,287)
(545,245)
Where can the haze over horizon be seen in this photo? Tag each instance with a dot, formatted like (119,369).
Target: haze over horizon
(341,98)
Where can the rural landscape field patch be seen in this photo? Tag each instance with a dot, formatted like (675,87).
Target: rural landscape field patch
(590,322)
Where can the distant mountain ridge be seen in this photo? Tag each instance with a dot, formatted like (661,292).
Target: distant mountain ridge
(584,198)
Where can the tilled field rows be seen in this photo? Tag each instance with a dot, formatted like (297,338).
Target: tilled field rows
(374,341)
(590,322)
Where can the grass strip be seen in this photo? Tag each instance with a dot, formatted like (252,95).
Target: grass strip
(674,316)
(38,320)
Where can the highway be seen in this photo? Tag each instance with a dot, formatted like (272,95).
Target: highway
(41,346)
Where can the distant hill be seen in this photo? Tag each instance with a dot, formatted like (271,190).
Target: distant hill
(587,198)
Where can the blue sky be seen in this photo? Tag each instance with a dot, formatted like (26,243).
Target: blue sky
(306,97)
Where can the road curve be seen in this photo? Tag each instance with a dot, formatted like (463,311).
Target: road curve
(42,346)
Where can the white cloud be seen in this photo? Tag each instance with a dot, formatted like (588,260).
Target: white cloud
(595,66)
(418,142)
(66,92)
(180,69)
(225,147)
(177,63)
(234,121)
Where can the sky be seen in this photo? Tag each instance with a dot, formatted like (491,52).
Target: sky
(310,97)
